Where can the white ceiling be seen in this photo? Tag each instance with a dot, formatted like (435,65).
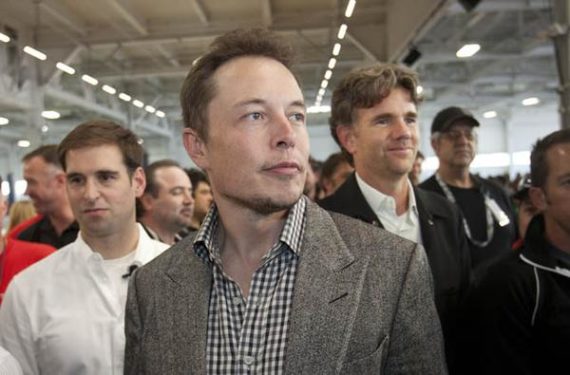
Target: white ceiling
(144,48)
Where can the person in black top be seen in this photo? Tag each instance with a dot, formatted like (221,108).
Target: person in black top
(46,187)
(519,315)
(489,221)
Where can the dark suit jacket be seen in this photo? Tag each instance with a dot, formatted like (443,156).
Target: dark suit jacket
(443,239)
(363,304)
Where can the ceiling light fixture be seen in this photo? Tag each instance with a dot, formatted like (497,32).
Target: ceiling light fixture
(349,8)
(336,49)
(4,121)
(138,103)
(4,38)
(160,114)
(530,101)
(90,80)
(328,74)
(24,143)
(125,97)
(490,114)
(150,109)
(332,63)
(51,115)
(35,53)
(342,31)
(468,50)
(419,89)
(65,68)
(324,83)
(109,90)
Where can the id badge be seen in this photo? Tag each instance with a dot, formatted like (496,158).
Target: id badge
(500,215)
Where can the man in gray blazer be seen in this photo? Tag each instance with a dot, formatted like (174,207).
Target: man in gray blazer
(271,283)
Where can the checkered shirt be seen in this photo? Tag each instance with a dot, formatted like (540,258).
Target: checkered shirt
(250,336)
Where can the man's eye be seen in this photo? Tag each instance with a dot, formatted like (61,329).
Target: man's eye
(297,117)
(255,116)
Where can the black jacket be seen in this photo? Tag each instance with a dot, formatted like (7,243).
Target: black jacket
(518,317)
(503,238)
(443,239)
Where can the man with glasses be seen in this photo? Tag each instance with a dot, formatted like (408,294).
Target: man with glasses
(488,218)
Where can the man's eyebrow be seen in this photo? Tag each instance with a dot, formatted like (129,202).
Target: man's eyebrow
(247,102)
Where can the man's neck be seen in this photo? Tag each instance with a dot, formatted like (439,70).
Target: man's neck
(61,219)
(116,245)
(165,235)
(395,186)
(557,235)
(455,176)
(195,223)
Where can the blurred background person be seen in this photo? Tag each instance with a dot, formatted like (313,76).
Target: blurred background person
(416,169)
(202,194)
(19,212)
(334,172)
(525,209)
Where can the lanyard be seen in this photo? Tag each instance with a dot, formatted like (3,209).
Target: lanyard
(488,214)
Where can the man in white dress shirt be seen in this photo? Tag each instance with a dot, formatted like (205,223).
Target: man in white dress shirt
(65,314)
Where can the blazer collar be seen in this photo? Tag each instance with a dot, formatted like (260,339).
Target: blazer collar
(354,203)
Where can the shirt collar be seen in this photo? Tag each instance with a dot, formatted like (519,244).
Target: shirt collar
(379,201)
(143,253)
(291,234)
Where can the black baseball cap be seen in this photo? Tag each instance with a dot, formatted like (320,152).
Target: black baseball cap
(449,116)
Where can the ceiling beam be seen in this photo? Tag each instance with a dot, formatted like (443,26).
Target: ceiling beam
(62,15)
(128,13)
(266,13)
(201,12)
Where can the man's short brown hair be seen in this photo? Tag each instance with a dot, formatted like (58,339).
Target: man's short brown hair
(47,152)
(199,89)
(539,168)
(366,87)
(103,132)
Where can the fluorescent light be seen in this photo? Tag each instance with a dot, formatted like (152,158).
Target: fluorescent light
(349,8)
(65,68)
(322,92)
(328,74)
(90,80)
(24,143)
(319,109)
(150,109)
(490,114)
(125,97)
(4,121)
(468,50)
(140,141)
(4,38)
(324,83)
(138,103)
(160,114)
(45,129)
(109,90)
(419,89)
(342,31)
(332,63)
(530,101)
(51,115)
(336,49)
(35,53)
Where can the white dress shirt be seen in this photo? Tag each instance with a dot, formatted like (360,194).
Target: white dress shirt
(406,225)
(8,364)
(64,315)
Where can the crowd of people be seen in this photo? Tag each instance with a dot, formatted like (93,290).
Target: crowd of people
(263,260)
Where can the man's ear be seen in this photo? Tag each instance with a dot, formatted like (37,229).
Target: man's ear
(346,137)
(146,202)
(195,147)
(435,144)
(139,181)
(538,198)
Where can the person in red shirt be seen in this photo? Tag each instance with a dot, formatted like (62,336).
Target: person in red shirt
(16,255)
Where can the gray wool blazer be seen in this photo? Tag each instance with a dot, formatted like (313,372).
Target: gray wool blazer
(363,304)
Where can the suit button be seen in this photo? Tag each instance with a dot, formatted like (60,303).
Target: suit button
(376,223)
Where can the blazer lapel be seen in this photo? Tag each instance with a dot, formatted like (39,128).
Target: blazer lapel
(187,300)
(327,291)
(353,202)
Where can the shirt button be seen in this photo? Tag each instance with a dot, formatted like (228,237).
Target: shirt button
(248,360)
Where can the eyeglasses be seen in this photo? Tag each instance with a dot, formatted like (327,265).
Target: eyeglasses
(455,135)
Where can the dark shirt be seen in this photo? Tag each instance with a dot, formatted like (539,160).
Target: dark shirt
(472,206)
(44,232)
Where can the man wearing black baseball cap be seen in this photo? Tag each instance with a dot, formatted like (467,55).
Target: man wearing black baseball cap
(488,218)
